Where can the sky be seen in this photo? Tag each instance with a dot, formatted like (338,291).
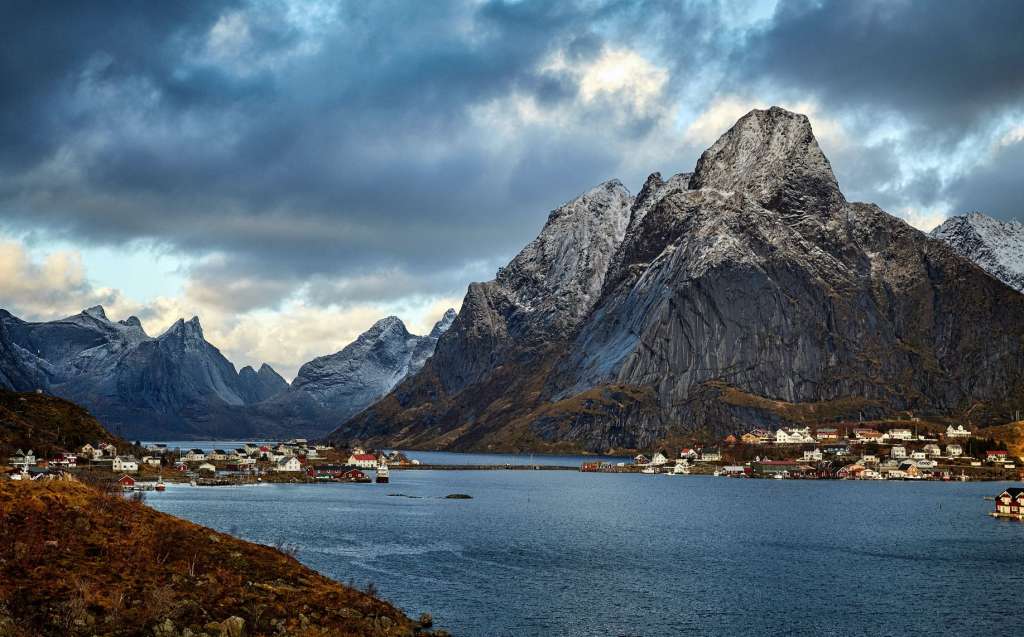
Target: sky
(291,172)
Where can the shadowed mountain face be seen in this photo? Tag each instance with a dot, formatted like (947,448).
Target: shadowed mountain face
(746,293)
(178,385)
(138,385)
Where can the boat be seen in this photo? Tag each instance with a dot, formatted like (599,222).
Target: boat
(649,470)
(160,486)
(383,473)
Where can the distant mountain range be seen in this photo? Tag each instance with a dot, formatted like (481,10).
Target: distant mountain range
(747,293)
(179,385)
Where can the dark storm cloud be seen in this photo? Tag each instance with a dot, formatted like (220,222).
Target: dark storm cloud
(331,149)
(995,187)
(358,153)
(944,66)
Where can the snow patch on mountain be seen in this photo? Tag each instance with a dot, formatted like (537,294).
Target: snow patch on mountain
(996,246)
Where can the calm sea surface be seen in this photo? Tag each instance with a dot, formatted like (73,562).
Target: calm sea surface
(564,553)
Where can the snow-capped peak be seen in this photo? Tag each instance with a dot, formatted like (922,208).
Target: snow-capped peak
(996,246)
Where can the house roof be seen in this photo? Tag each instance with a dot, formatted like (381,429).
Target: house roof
(1013,492)
(364,456)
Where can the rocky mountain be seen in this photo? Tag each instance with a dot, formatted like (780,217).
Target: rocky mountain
(178,385)
(174,384)
(261,385)
(333,388)
(746,293)
(996,246)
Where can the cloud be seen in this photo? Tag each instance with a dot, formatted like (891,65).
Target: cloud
(51,287)
(313,155)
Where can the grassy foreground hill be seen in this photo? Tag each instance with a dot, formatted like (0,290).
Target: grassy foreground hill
(82,560)
(77,561)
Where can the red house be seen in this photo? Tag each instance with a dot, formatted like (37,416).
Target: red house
(1010,504)
(127,482)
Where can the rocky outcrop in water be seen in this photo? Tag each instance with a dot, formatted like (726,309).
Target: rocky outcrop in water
(747,293)
(996,246)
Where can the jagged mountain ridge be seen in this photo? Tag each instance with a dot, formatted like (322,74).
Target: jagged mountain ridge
(179,385)
(135,383)
(749,292)
(261,385)
(996,246)
(344,383)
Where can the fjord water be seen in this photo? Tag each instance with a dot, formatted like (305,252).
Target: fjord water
(566,554)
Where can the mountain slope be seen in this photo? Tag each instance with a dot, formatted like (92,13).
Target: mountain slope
(260,385)
(88,563)
(748,292)
(48,425)
(996,246)
(333,388)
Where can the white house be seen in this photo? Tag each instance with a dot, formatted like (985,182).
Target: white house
(218,454)
(23,459)
(958,432)
(954,451)
(195,455)
(289,464)
(124,464)
(794,436)
(711,454)
(932,450)
(812,454)
(659,459)
(369,461)
(918,455)
(898,452)
(206,466)
(153,461)
(869,459)
(900,434)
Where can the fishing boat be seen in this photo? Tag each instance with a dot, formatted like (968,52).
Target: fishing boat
(649,470)
(383,473)
(160,486)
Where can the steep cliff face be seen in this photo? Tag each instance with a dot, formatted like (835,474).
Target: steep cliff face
(541,295)
(996,246)
(746,293)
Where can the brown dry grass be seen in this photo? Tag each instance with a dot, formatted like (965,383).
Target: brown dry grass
(77,561)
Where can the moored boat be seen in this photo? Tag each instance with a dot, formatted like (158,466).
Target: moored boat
(383,473)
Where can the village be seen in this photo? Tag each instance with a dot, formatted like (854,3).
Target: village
(854,452)
(149,467)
